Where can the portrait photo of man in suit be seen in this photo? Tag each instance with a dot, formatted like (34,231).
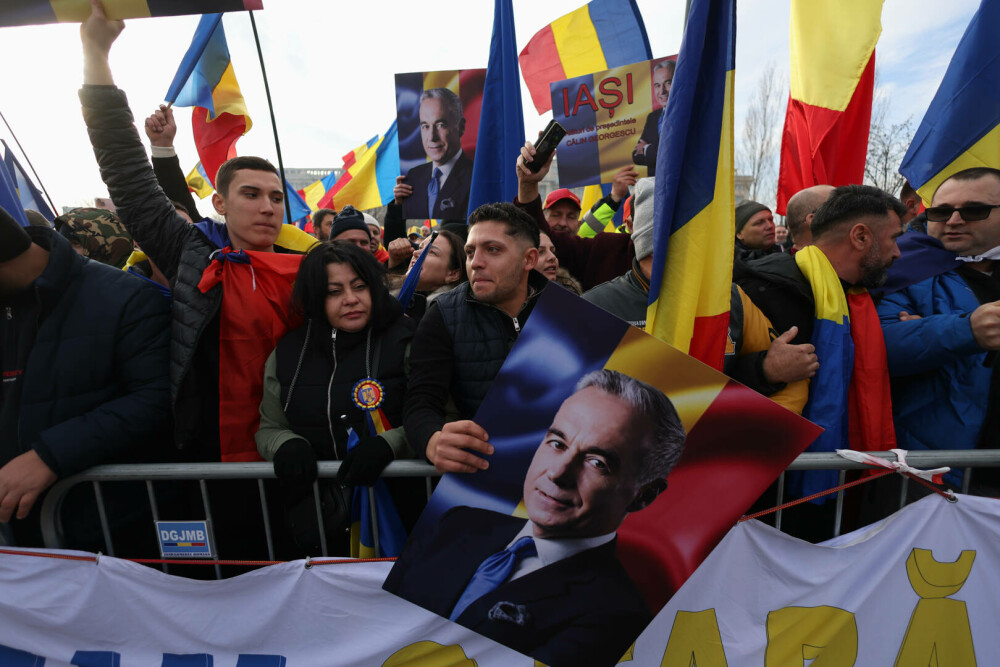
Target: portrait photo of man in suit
(440,187)
(551,586)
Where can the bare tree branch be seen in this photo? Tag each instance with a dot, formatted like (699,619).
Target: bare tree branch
(757,154)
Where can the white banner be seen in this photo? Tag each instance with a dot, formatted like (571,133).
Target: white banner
(62,612)
(920,588)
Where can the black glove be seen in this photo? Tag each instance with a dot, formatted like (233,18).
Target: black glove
(364,463)
(295,463)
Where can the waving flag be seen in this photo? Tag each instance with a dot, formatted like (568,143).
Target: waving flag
(298,209)
(501,123)
(413,276)
(961,128)
(598,36)
(29,195)
(9,201)
(314,192)
(370,172)
(693,228)
(206,81)
(36,12)
(197,182)
(825,141)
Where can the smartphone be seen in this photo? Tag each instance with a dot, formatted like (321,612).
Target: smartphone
(551,136)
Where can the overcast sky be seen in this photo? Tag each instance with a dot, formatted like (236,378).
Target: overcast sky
(331,63)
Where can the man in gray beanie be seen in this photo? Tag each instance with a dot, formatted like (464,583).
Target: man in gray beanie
(754,231)
(84,359)
(757,357)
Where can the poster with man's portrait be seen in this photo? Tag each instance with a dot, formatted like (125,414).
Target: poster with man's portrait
(619,463)
(437,116)
(612,120)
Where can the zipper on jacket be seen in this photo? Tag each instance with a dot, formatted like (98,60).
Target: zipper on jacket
(517,326)
(329,388)
(10,314)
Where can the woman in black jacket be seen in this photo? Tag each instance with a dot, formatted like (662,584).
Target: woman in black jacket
(343,370)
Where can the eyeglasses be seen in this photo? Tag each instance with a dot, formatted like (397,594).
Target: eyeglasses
(969,212)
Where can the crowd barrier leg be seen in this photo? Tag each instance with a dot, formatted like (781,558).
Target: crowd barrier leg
(203,486)
(267,519)
(103,514)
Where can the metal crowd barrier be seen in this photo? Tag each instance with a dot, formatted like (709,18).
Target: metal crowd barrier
(53,533)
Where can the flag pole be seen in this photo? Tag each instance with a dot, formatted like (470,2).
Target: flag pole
(274,123)
(28,160)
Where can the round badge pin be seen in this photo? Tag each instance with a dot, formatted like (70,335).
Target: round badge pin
(368,394)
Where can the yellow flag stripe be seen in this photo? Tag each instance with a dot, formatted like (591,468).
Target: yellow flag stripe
(983,153)
(577,43)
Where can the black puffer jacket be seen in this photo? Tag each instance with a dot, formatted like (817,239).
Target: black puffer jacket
(95,385)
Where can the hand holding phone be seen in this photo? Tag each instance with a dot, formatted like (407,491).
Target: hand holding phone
(551,136)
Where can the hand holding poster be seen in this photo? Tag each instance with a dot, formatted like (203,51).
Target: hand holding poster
(438,122)
(76,11)
(612,120)
(601,411)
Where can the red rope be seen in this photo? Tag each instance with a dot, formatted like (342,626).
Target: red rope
(799,501)
(92,559)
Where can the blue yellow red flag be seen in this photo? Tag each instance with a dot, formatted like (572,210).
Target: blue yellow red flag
(598,36)
(369,175)
(693,229)
(961,128)
(197,181)
(206,81)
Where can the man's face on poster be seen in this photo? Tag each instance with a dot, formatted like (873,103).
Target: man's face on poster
(441,134)
(584,477)
(662,78)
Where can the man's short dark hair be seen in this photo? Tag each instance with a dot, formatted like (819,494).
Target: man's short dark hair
(973,173)
(519,224)
(320,214)
(224,177)
(668,435)
(906,191)
(309,291)
(849,202)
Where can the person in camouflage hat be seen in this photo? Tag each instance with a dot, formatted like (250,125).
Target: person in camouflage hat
(98,234)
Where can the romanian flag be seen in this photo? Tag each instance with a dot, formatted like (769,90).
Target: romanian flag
(370,172)
(206,81)
(693,232)
(849,395)
(298,209)
(825,141)
(314,192)
(9,199)
(598,36)
(961,128)
(198,183)
(36,12)
(31,198)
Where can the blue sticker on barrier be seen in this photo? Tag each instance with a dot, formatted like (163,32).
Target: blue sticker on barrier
(185,539)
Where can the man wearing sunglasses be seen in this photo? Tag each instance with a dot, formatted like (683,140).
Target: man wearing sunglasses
(942,333)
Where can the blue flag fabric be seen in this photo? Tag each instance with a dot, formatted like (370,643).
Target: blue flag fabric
(298,209)
(9,201)
(31,198)
(197,90)
(413,277)
(391,533)
(961,128)
(501,122)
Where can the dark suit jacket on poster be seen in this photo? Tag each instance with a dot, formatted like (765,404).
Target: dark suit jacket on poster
(583,610)
(453,199)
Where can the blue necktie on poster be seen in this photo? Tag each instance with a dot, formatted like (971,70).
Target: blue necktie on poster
(494,571)
(433,188)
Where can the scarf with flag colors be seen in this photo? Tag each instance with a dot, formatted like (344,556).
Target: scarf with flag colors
(849,395)
(598,36)
(369,175)
(693,228)
(501,123)
(37,12)
(206,81)
(961,128)
(28,194)
(256,312)
(825,140)
(198,183)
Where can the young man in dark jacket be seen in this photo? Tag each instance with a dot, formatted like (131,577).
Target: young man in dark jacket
(205,333)
(84,354)
(464,337)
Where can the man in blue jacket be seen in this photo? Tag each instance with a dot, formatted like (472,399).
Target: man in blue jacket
(84,351)
(942,333)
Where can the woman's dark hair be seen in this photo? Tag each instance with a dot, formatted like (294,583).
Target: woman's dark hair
(309,292)
(456,258)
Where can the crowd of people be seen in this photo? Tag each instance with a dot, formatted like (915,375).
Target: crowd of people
(249,339)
